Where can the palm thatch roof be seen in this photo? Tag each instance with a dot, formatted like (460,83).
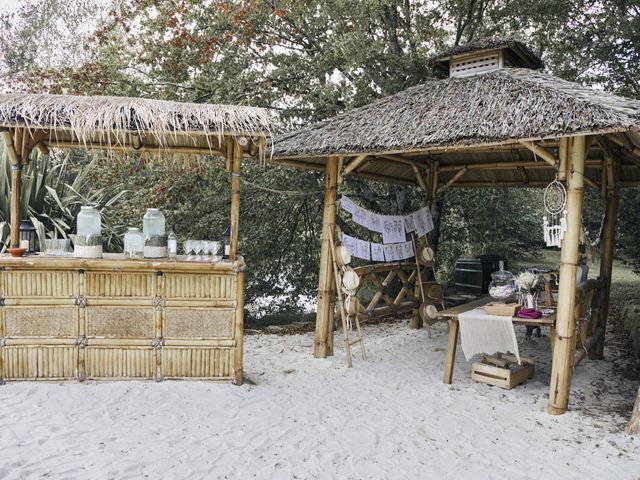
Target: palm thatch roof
(491,108)
(522,53)
(115,121)
(462,121)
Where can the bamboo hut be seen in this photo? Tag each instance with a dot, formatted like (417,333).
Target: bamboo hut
(497,121)
(105,318)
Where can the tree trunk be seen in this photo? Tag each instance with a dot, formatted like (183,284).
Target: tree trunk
(634,423)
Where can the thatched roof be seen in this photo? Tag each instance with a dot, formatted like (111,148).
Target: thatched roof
(113,120)
(490,108)
(519,49)
(464,121)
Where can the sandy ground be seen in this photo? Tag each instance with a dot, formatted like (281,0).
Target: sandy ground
(298,418)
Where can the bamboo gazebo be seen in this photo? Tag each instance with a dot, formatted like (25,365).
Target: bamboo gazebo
(75,318)
(497,121)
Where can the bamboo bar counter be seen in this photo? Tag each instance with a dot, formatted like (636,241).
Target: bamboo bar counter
(111,318)
(65,318)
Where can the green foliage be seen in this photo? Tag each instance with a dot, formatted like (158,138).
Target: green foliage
(309,60)
(53,189)
(476,223)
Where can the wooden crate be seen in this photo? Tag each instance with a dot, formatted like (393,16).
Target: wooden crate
(503,377)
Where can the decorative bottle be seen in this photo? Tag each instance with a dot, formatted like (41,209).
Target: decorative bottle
(172,244)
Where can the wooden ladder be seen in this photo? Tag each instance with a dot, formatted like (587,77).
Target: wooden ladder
(344,314)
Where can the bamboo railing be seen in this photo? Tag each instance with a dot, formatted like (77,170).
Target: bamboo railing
(401,277)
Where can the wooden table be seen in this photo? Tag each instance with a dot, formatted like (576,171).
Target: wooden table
(454,327)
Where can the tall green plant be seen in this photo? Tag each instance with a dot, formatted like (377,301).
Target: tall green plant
(53,189)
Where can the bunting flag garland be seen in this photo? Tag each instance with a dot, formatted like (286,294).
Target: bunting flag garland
(391,252)
(392,227)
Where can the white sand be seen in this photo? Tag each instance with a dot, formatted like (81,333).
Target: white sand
(390,417)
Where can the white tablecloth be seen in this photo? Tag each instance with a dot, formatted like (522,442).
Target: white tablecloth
(483,333)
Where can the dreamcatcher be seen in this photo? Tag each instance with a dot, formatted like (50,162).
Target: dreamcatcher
(555,217)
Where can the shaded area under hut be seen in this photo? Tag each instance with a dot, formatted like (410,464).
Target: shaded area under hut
(497,121)
(113,317)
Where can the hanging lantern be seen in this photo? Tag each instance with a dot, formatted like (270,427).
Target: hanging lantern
(27,236)
(226,238)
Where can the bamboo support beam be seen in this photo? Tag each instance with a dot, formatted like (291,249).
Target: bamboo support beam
(564,337)
(452,180)
(608,246)
(326,292)
(541,152)
(420,179)
(127,148)
(355,163)
(235,198)
(633,150)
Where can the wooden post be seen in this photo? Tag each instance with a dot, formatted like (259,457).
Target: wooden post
(326,292)
(634,424)
(16,187)
(564,341)
(606,257)
(235,198)
(239,329)
(13,144)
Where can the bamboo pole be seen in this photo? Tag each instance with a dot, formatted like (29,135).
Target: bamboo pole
(324,315)
(452,180)
(235,198)
(238,333)
(608,246)
(541,152)
(16,186)
(634,423)
(564,341)
(355,163)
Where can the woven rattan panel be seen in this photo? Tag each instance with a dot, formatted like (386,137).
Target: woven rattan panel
(198,323)
(199,286)
(32,321)
(119,284)
(125,322)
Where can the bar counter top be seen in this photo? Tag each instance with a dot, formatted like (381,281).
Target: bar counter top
(115,261)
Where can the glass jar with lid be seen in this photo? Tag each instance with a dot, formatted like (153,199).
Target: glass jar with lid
(153,228)
(503,284)
(89,221)
(153,223)
(134,243)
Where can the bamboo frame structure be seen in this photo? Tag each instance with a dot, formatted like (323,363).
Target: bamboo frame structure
(326,291)
(111,318)
(564,340)
(68,318)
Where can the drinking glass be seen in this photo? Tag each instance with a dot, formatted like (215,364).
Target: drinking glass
(215,252)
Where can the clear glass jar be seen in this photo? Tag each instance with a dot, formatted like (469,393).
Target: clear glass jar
(153,223)
(134,243)
(503,284)
(88,222)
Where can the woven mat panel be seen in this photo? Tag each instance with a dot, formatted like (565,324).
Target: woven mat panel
(35,321)
(125,322)
(198,323)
